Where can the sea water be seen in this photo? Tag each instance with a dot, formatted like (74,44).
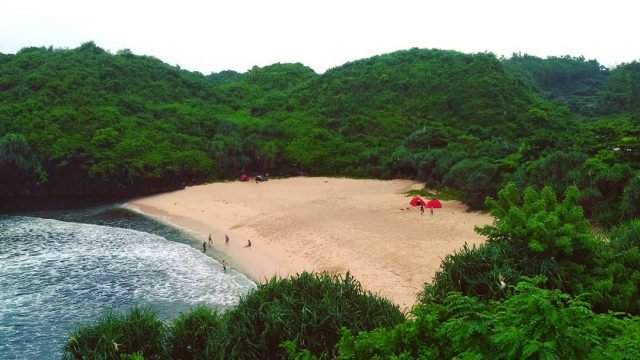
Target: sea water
(58,274)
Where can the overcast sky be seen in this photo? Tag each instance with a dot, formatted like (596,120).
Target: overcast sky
(211,36)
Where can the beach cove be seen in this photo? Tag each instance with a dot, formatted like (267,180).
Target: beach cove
(366,227)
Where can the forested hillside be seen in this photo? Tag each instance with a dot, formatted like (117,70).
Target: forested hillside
(575,82)
(585,86)
(85,122)
(555,142)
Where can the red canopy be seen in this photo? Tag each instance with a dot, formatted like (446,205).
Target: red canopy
(417,201)
(244,177)
(433,203)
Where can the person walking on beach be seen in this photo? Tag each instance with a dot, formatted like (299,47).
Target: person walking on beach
(226,240)
(204,246)
(224,265)
(421,209)
(431,210)
(210,240)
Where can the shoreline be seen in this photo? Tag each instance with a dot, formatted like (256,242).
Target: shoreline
(320,224)
(261,265)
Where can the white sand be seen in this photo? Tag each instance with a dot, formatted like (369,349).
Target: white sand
(323,224)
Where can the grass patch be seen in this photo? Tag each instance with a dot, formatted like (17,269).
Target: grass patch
(445,193)
(190,332)
(113,336)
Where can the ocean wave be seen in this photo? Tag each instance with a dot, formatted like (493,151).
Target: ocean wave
(57,275)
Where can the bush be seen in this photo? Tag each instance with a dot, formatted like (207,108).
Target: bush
(616,279)
(533,234)
(543,324)
(533,323)
(473,271)
(112,336)
(631,198)
(539,227)
(191,331)
(622,338)
(307,309)
(475,178)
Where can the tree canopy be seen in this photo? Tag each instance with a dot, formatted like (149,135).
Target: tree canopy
(85,122)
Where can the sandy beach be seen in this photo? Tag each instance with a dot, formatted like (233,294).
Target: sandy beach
(323,224)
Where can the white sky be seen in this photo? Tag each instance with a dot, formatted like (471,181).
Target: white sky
(211,36)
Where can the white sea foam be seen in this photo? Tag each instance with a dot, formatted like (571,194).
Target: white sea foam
(57,275)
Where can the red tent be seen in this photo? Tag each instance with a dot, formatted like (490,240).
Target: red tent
(244,177)
(433,203)
(417,201)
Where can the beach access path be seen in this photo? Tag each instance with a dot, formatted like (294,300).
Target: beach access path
(319,224)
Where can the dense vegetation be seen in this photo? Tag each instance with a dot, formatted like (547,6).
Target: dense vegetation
(559,276)
(84,122)
(308,309)
(575,82)
(533,323)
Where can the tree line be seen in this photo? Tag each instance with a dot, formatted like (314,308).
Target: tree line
(84,122)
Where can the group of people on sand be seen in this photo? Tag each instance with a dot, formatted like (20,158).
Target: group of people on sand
(422,210)
(226,243)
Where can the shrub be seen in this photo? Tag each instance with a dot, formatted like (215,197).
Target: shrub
(191,331)
(616,283)
(543,324)
(549,232)
(533,323)
(475,178)
(308,309)
(622,338)
(473,271)
(487,271)
(113,336)
(537,222)
(630,204)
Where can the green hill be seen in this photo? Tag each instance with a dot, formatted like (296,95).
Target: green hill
(423,86)
(96,123)
(84,122)
(572,81)
(371,109)
(588,88)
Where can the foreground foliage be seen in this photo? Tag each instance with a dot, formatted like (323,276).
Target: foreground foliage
(535,234)
(532,323)
(139,331)
(307,309)
(190,332)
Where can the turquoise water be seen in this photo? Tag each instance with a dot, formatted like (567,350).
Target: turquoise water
(60,270)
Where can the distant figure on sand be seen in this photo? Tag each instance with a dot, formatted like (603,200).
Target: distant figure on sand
(226,240)
(248,243)
(204,246)
(431,211)
(224,265)
(210,240)
(421,210)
